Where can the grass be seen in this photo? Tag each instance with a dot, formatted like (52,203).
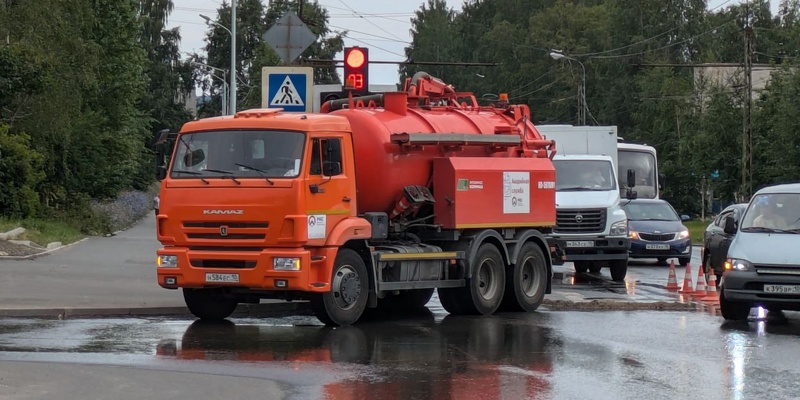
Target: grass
(43,231)
(696,229)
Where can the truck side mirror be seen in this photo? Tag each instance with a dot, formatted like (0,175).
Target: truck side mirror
(730,225)
(161,172)
(631,178)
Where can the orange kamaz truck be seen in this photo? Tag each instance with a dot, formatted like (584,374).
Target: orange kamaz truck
(375,200)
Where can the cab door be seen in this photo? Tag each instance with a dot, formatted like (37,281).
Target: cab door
(330,185)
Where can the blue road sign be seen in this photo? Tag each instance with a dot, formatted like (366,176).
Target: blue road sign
(287,91)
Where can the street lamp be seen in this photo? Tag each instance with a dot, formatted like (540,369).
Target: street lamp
(555,55)
(224,84)
(232,32)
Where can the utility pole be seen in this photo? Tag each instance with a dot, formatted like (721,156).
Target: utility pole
(232,108)
(747,133)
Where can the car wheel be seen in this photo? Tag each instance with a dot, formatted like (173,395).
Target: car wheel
(685,260)
(619,268)
(732,311)
(662,260)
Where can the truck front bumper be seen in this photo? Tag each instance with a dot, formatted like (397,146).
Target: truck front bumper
(580,248)
(246,269)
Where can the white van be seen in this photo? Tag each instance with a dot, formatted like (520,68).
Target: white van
(763,264)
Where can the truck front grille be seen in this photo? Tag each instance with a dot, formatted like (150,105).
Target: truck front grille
(234,264)
(580,221)
(229,236)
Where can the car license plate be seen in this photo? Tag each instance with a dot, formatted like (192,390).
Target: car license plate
(580,243)
(226,278)
(656,246)
(783,289)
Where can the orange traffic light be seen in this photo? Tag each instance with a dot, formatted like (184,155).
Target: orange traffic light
(356,69)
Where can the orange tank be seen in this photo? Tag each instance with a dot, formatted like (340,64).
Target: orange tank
(384,167)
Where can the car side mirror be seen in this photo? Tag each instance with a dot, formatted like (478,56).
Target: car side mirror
(631,181)
(161,172)
(330,168)
(661,181)
(685,218)
(730,225)
(193,158)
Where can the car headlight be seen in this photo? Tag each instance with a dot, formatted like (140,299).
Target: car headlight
(683,234)
(286,264)
(167,261)
(619,228)
(633,235)
(738,265)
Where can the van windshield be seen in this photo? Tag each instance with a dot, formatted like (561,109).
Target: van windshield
(238,154)
(773,212)
(579,175)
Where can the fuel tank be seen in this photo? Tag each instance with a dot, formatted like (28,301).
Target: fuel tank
(384,167)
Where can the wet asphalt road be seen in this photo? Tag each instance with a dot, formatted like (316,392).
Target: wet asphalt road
(425,355)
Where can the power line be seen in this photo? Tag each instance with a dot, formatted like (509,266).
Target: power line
(369,34)
(377,47)
(370,22)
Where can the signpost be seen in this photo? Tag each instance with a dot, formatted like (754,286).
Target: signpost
(289,37)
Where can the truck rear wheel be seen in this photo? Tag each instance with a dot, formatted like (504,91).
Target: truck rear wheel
(209,304)
(346,300)
(484,291)
(619,268)
(526,280)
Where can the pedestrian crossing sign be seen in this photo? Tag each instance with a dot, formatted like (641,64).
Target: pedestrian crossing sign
(289,88)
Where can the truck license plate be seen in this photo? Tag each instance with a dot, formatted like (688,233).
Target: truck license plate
(580,243)
(656,246)
(226,278)
(782,289)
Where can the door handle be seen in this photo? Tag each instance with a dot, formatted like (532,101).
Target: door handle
(346,199)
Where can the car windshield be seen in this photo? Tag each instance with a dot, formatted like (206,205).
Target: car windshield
(577,175)
(773,212)
(238,154)
(637,211)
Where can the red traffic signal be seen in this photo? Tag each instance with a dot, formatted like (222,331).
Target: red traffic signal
(356,69)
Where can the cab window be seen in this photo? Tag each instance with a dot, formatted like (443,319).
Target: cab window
(326,157)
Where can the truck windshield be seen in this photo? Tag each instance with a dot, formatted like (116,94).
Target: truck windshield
(577,175)
(238,154)
(644,165)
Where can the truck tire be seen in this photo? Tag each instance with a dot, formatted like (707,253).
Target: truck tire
(209,304)
(484,291)
(595,268)
(526,280)
(619,268)
(451,299)
(581,267)
(346,300)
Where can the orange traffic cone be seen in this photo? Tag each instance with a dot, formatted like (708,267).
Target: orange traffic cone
(687,280)
(672,282)
(712,296)
(700,290)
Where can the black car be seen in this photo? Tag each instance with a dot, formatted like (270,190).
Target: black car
(716,242)
(656,231)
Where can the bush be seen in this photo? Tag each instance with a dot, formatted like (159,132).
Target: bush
(123,212)
(20,172)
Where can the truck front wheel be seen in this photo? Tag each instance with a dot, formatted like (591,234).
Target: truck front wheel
(347,299)
(619,268)
(209,304)
(526,280)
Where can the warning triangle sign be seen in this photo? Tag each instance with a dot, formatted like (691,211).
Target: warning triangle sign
(287,95)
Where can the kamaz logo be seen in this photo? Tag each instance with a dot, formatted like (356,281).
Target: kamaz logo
(223,212)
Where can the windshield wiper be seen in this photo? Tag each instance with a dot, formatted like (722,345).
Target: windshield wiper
(655,219)
(258,171)
(228,173)
(575,189)
(184,171)
(767,230)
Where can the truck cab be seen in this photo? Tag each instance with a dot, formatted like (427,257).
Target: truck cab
(591,227)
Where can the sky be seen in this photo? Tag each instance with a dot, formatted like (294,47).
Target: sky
(382,25)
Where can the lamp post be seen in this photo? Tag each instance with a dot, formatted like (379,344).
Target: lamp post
(555,55)
(224,84)
(231,32)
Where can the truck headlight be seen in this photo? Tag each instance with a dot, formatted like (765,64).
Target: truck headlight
(683,234)
(619,229)
(286,264)
(167,261)
(738,265)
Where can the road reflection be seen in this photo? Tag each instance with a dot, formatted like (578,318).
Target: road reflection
(408,357)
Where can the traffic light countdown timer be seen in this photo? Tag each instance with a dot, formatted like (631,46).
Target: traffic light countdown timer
(356,69)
